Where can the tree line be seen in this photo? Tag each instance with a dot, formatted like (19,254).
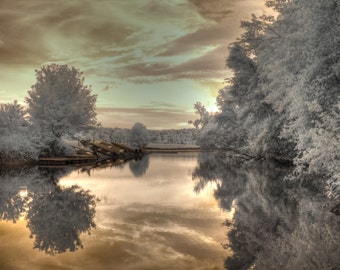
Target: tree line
(60,105)
(166,136)
(283,101)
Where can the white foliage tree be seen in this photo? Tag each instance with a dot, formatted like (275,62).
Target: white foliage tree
(301,82)
(283,101)
(12,117)
(139,135)
(15,136)
(59,102)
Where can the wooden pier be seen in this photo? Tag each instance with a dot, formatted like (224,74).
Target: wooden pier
(111,153)
(106,148)
(94,152)
(115,149)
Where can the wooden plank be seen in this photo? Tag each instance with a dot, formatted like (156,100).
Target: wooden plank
(113,151)
(126,147)
(107,148)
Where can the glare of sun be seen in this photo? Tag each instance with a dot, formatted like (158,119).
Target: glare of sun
(212,108)
(23,193)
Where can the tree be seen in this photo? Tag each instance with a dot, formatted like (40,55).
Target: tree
(283,99)
(241,104)
(12,116)
(139,135)
(16,140)
(300,79)
(59,102)
(119,135)
(278,5)
(203,114)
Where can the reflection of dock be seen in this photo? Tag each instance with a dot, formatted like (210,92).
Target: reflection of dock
(69,160)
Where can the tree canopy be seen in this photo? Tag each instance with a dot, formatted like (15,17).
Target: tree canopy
(59,102)
(12,116)
(139,135)
(283,100)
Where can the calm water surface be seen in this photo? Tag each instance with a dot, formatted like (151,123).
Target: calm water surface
(148,217)
(179,211)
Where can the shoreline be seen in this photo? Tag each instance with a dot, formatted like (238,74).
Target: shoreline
(16,163)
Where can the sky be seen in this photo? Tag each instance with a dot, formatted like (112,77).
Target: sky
(148,61)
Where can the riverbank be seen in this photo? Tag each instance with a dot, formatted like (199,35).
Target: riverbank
(170,148)
(17,163)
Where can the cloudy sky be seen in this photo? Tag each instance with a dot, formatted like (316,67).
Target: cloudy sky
(147,60)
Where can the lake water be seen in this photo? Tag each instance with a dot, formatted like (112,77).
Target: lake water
(175,211)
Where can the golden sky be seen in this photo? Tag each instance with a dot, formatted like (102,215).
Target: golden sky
(147,60)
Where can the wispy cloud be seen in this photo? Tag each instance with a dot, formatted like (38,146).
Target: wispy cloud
(119,43)
(215,10)
(154,118)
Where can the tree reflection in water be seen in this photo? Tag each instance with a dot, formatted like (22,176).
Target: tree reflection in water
(276,225)
(140,166)
(56,216)
(12,204)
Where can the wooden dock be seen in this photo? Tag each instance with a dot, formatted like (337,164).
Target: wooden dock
(95,153)
(125,147)
(106,148)
(115,150)
(111,153)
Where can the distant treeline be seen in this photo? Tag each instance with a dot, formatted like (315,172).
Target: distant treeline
(169,136)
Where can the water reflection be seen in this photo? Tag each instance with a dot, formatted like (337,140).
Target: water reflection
(12,205)
(275,225)
(155,220)
(150,218)
(56,216)
(140,166)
